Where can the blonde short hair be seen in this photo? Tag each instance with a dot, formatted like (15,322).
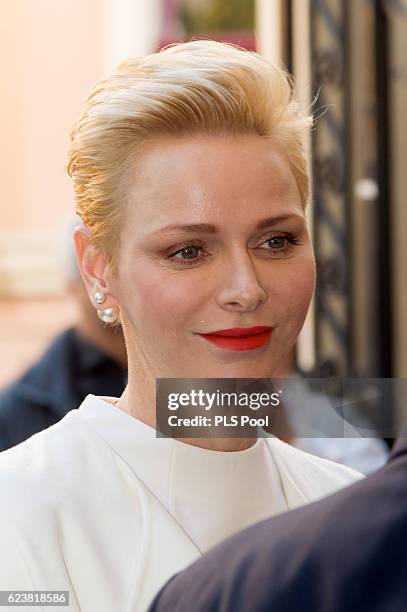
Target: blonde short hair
(199,87)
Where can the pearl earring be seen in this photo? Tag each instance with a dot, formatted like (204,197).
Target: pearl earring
(107,315)
(99,297)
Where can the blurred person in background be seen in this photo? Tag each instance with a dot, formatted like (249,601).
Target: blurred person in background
(86,358)
(364,454)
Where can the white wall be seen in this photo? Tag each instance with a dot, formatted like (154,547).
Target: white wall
(131,28)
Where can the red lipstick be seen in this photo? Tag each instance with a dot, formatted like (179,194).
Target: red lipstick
(240,338)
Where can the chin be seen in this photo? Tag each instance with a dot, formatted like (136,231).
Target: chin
(239,370)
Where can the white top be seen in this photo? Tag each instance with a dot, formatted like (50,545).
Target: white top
(211,494)
(98,506)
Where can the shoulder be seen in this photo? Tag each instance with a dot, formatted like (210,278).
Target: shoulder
(53,487)
(44,485)
(307,460)
(315,476)
(32,489)
(39,474)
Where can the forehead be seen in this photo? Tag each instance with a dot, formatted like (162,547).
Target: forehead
(224,177)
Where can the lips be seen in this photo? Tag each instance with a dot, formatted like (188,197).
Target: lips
(240,338)
(240,332)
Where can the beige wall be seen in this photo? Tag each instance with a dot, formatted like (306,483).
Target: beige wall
(270,17)
(51,51)
(50,54)
(131,28)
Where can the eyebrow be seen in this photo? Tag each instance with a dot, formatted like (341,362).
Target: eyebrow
(209,228)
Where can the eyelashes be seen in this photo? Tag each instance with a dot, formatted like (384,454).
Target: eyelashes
(283,245)
(187,250)
(281,239)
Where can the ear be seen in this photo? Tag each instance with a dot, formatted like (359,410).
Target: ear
(93,267)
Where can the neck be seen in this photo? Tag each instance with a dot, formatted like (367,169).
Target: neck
(226,445)
(138,400)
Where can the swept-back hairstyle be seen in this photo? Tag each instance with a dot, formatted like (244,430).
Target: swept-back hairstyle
(199,87)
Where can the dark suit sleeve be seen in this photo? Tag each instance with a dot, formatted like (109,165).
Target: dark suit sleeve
(155,605)
(200,586)
(260,569)
(345,552)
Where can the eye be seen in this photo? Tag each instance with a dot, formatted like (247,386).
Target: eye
(188,252)
(279,244)
(187,255)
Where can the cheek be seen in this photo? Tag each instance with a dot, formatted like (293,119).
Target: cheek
(152,295)
(295,288)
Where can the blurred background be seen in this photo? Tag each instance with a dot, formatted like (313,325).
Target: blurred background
(348,56)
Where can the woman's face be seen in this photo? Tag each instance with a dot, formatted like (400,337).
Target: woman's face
(213,238)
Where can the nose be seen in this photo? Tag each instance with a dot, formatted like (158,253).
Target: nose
(239,288)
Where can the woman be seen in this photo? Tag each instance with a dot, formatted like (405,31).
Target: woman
(190,178)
